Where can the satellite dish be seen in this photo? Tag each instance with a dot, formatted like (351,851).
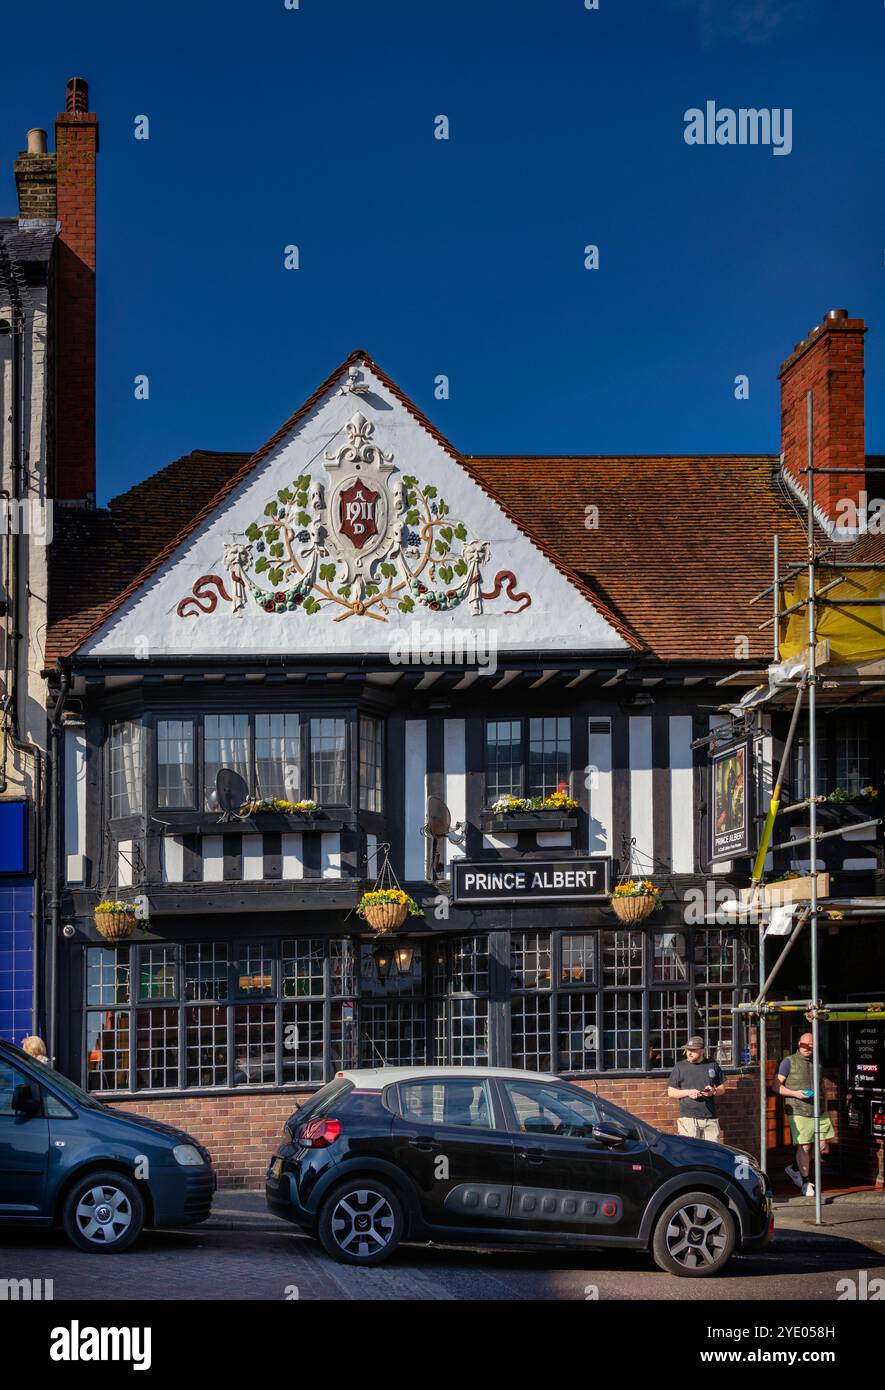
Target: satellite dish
(439,817)
(230,789)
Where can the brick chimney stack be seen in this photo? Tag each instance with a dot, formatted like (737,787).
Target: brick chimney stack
(76,147)
(829,363)
(35,180)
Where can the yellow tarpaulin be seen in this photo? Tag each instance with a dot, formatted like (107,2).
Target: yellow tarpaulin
(854,633)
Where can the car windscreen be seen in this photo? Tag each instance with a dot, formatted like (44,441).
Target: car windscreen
(53,1080)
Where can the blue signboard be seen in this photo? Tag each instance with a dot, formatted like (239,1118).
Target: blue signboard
(14,847)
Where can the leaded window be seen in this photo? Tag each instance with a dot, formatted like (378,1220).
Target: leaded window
(371,762)
(175,763)
(125,769)
(278,756)
(328,760)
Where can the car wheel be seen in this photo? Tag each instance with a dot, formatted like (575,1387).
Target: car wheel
(694,1237)
(361,1223)
(103,1213)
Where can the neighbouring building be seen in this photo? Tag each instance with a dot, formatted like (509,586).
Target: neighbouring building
(47,408)
(360,617)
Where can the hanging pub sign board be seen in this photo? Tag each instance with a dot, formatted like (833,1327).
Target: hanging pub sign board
(731,801)
(530,881)
(866,1057)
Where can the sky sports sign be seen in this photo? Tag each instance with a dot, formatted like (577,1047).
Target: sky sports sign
(530,881)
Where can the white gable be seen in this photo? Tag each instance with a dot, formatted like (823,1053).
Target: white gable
(357,533)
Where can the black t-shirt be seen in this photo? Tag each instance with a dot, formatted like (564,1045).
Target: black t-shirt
(694,1076)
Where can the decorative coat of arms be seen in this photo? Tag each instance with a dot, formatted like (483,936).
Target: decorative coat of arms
(366,543)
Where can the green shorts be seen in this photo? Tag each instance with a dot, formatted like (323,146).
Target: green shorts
(802,1128)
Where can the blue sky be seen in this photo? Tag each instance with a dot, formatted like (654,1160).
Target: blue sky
(315,127)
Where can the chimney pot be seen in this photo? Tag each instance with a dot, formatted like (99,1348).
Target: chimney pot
(77,95)
(36,140)
(838,314)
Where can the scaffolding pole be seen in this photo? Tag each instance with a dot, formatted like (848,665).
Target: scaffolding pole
(812,810)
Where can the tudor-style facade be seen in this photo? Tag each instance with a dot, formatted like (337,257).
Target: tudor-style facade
(454,657)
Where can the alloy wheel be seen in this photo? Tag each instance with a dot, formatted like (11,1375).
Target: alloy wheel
(103,1214)
(696,1236)
(362,1222)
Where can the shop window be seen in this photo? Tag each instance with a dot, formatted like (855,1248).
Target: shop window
(255,1047)
(156,973)
(255,969)
(278,756)
(156,1049)
(206,1045)
(107,1051)
(622,957)
(175,763)
(125,769)
(303,1043)
(669,961)
(577,1032)
(622,1031)
(206,970)
(668,1027)
(371,762)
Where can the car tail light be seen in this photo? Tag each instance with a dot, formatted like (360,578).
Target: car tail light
(318,1134)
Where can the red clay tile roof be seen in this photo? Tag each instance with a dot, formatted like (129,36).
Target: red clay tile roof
(681,546)
(95,555)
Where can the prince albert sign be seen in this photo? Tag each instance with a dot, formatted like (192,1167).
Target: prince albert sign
(532,881)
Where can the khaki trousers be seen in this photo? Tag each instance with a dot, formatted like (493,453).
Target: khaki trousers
(699,1129)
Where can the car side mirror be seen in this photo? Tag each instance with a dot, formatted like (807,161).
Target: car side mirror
(25,1101)
(608,1135)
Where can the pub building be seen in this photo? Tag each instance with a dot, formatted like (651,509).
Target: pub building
(407,641)
(359,618)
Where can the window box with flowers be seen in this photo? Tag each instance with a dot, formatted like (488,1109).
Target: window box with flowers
(554,812)
(635,899)
(386,909)
(272,813)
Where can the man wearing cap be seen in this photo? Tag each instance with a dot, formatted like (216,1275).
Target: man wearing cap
(695,1083)
(795,1082)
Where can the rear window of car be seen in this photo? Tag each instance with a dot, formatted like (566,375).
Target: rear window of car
(320,1104)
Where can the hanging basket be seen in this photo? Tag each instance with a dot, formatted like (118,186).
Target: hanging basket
(386,917)
(634,908)
(114,926)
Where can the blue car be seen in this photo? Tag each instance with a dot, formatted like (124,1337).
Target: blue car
(103,1175)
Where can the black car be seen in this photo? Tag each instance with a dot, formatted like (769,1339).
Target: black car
(484,1156)
(101,1174)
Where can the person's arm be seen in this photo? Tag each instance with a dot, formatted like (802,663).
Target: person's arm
(784,1090)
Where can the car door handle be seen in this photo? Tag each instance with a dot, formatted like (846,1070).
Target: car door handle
(424,1146)
(532,1155)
